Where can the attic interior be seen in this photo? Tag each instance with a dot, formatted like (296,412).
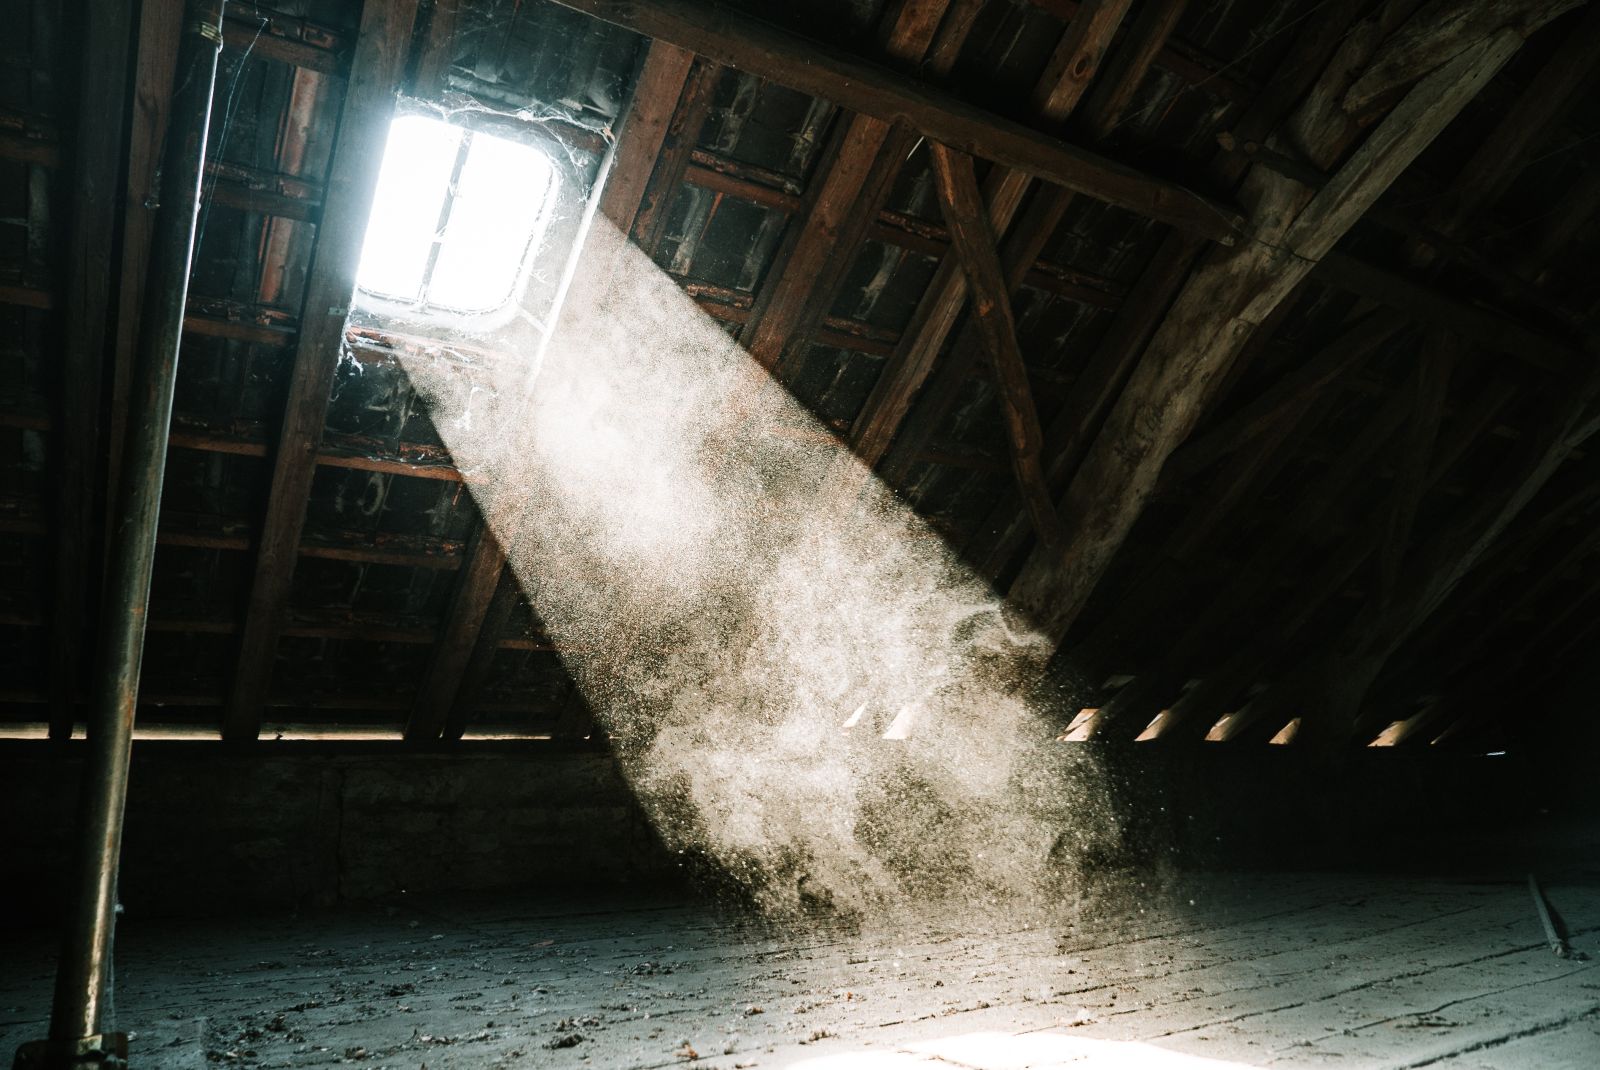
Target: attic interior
(857,534)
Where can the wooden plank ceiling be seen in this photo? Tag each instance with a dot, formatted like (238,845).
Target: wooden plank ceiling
(1246,345)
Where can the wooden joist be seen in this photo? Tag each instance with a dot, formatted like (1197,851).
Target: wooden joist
(1438,359)
(858,170)
(375,72)
(1241,427)
(1218,310)
(859,85)
(1502,155)
(1487,327)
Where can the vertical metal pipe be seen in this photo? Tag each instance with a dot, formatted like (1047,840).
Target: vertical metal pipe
(79,1006)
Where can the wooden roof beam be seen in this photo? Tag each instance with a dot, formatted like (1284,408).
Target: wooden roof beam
(974,241)
(862,86)
(1486,327)
(619,190)
(375,72)
(1066,78)
(1001,537)
(1220,306)
(856,174)
(1240,427)
(642,131)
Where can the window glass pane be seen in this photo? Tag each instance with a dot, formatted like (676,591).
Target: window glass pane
(499,203)
(412,186)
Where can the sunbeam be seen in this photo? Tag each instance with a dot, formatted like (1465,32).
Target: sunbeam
(810,688)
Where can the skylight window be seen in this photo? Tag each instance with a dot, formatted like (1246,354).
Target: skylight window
(456,216)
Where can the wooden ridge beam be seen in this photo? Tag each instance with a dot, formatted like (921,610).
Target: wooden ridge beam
(1218,310)
(375,73)
(859,85)
(974,242)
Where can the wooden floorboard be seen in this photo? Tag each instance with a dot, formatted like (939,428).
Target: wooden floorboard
(1202,972)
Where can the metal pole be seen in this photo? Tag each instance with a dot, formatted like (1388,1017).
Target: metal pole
(77,1017)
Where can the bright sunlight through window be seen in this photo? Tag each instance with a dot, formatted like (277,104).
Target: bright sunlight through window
(457,214)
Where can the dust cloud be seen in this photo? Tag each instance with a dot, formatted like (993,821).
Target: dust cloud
(803,685)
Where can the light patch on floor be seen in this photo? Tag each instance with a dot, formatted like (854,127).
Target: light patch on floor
(1317,970)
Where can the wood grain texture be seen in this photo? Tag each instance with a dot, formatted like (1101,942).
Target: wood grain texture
(861,86)
(376,69)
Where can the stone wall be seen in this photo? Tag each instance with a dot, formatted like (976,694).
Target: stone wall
(211,830)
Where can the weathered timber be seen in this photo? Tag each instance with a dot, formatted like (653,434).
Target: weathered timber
(491,637)
(1440,354)
(1240,427)
(1059,90)
(1114,91)
(1209,322)
(974,242)
(433,60)
(1502,155)
(1486,327)
(469,606)
(1253,661)
(376,68)
(857,172)
(673,153)
(642,130)
(861,86)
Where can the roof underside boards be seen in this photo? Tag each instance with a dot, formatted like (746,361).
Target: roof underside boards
(1375,481)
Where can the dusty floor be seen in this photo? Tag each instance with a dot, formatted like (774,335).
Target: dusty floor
(1312,970)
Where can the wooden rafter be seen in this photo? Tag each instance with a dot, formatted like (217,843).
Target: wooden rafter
(1223,301)
(860,168)
(375,72)
(861,86)
(974,242)
(643,130)
(1066,78)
